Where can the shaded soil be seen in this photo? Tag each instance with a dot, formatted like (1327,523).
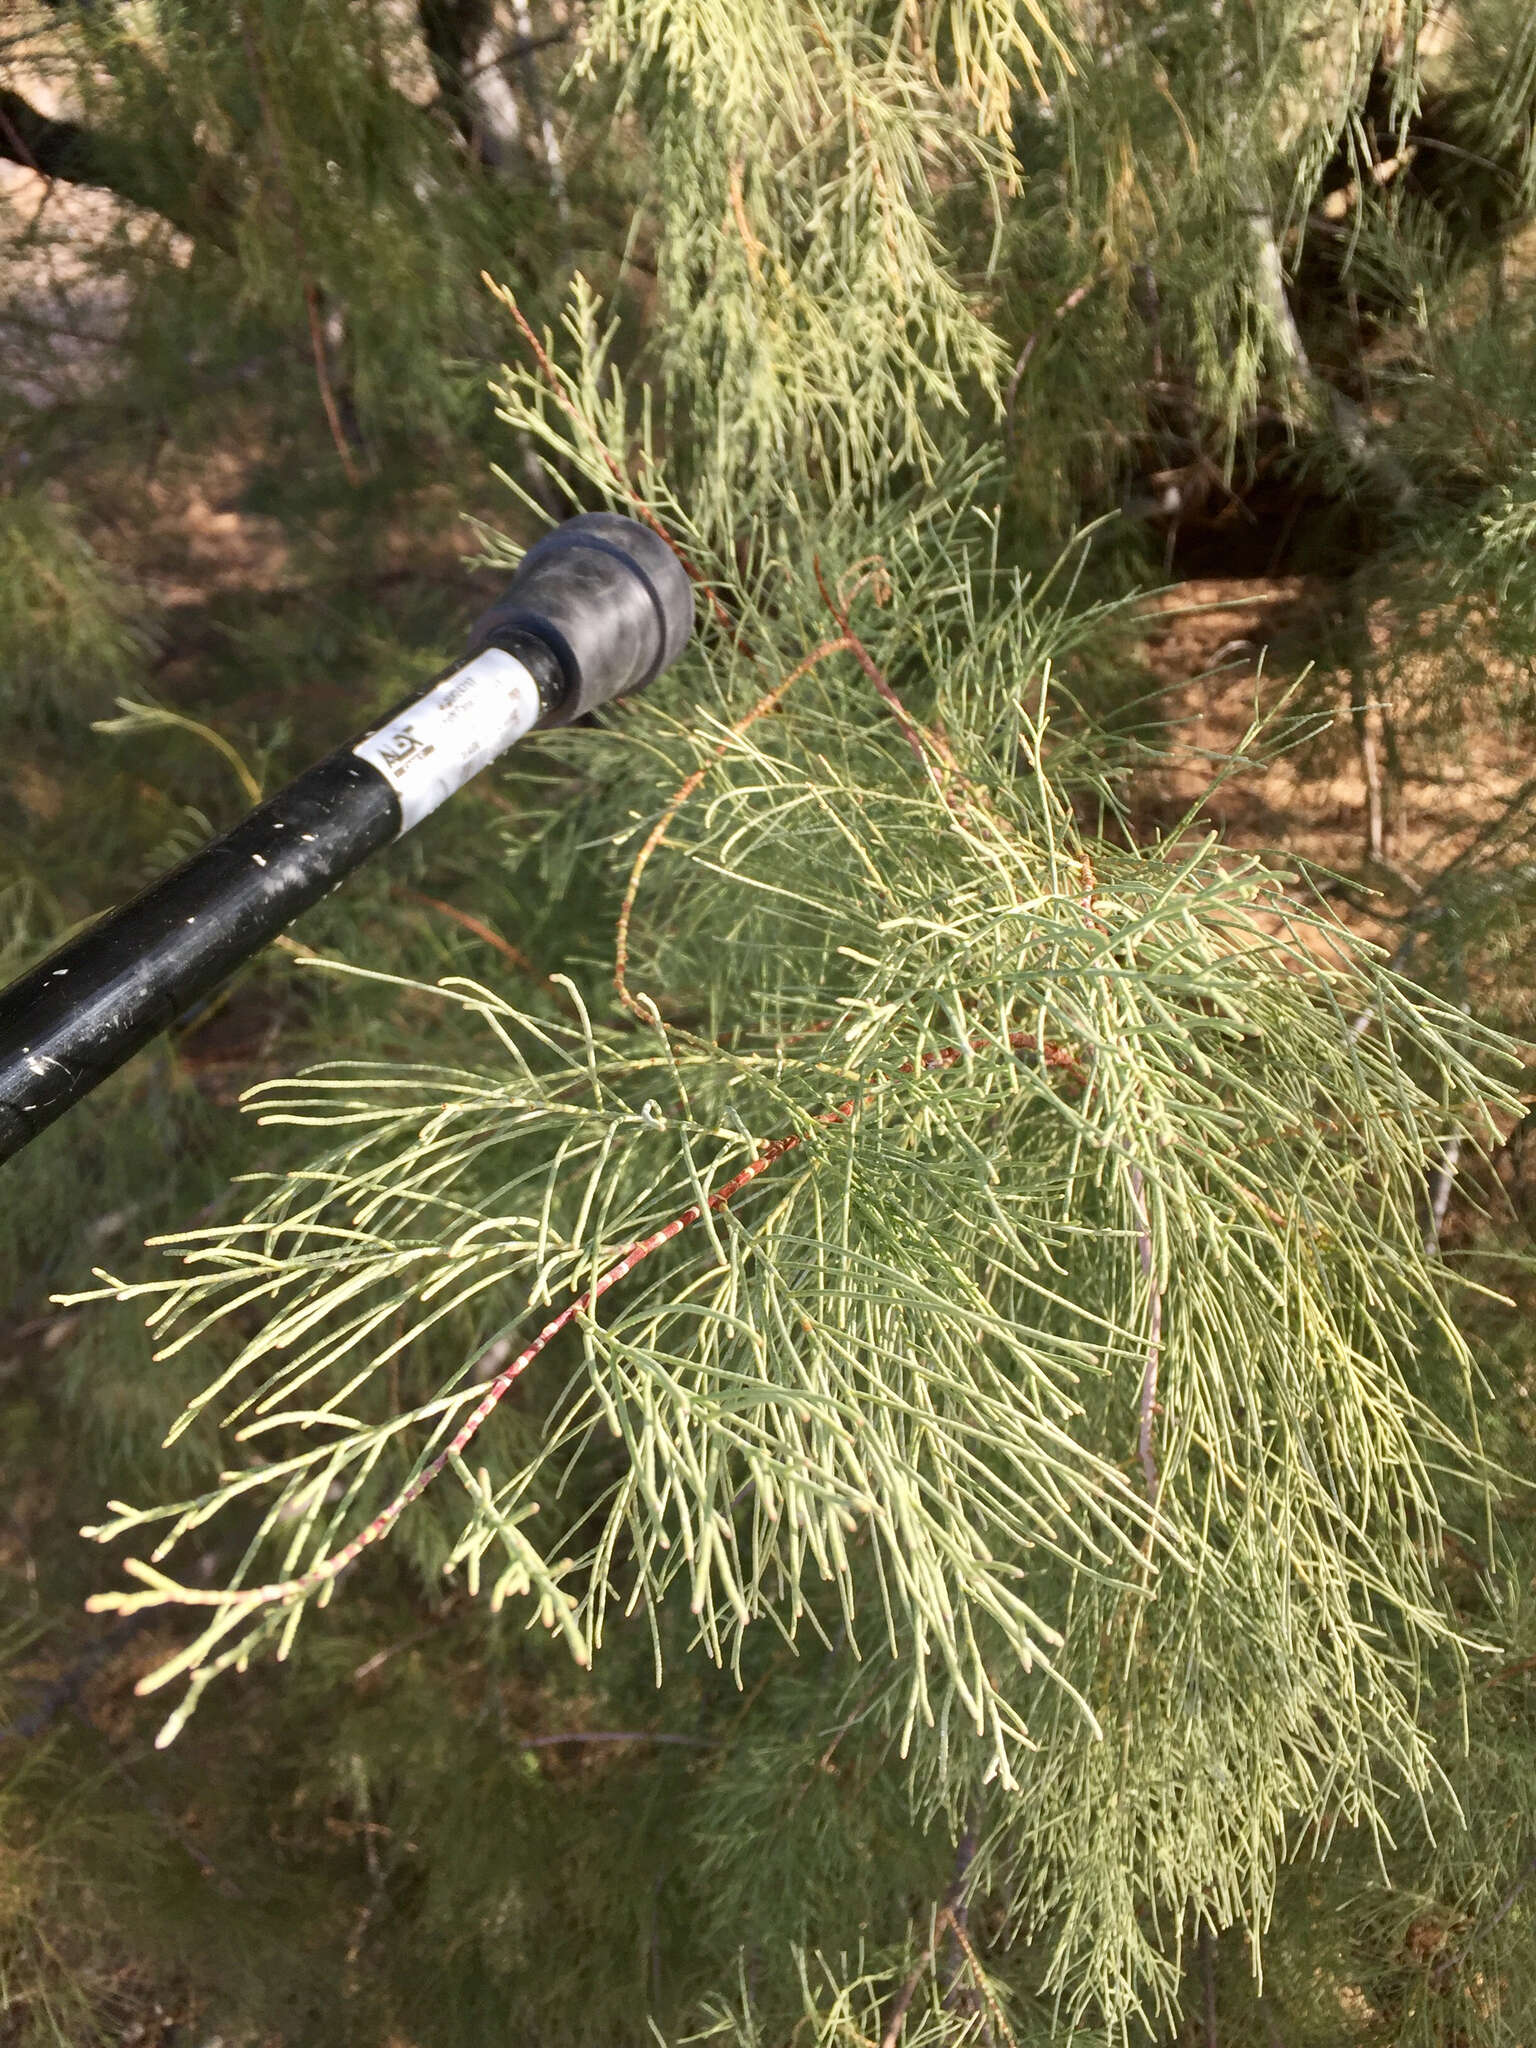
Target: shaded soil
(1230,653)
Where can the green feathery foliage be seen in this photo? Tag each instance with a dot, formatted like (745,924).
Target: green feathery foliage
(934,1260)
(1058,1355)
(76,627)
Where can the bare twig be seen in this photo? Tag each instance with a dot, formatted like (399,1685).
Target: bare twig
(952,1918)
(311,290)
(923,741)
(323,377)
(516,51)
(1370,766)
(1362,444)
(929,743)
(380,1658)
(1069,304)
(1441,1182)
(554,163)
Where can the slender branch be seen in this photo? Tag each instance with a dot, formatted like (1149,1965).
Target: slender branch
(1370,764)
(311,291)
(554,161)
(760,709)
(380,1658)
(1068,305)
(177,1831)
(1361,443)
(1518,1669)
(1441,1183)
(958,1905)
(614,467)
(1442,1970)
(472,89)
(480,930)
(923,740)
(971,812)
(953,1918)
(515,52)
(323,378)
(908,1991)
(920,738)
(284,1592)
(752,247)
(194,193)
(992,2006)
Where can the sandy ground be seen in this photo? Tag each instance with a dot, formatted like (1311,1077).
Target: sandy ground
(1228,651)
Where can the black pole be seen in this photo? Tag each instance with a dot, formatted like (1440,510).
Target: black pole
(596,609)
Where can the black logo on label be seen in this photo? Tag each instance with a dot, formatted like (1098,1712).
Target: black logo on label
(402,746)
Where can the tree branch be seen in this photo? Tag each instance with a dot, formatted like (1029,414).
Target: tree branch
(463,47)
(908,1991)
(1351,424)
(191,190)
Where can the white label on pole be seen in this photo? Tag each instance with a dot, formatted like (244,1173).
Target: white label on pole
(436,744)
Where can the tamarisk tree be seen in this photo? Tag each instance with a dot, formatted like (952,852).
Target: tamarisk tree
(952,1263)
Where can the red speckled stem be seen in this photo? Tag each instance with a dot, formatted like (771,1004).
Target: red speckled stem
(286,1590)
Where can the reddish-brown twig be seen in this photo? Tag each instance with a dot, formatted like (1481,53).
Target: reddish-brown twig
(904,1997)
(738,212)
(925,740)
(766,703)
(919,738)
(284,1591)
(255,62)
(323,376)
(610,461)
(472,924)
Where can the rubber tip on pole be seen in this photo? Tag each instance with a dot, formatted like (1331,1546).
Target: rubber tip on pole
(608,597)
